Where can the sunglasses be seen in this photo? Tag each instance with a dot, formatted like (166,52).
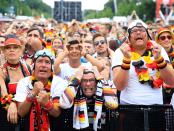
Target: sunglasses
(164,37)
(96,43)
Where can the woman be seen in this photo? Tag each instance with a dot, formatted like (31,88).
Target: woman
(10,73)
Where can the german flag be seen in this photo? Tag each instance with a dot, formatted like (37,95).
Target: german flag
(81,116)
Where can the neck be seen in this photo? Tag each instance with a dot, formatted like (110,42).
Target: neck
(13,63)
(104,54)
(74,63)
(168,49)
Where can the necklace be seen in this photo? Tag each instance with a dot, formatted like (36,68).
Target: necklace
(144,65)
(13,66)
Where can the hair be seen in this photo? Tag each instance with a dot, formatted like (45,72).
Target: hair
(98,35)
(108,26)
(35,28)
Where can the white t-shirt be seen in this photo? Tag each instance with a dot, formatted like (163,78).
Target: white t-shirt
(67,71)
(135,92)
(58,86)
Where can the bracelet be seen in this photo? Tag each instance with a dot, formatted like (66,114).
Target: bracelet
(161,63)
(159,60)
(6,100)
(126,64)
(48,106)
(126,60)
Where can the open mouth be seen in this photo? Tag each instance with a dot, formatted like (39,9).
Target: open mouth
(42,71)
(139,38)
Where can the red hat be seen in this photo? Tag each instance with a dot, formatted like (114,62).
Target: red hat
(12,41)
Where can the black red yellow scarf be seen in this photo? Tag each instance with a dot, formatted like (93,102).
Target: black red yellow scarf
(39,116)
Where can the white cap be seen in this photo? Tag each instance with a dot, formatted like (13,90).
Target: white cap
(137,23)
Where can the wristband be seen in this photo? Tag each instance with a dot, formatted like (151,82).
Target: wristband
(30,97)
(48,106)
(126,64)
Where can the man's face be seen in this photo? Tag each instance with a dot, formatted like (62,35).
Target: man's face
(74,51)
(165,40)
(103,30)
(88,47)
(138,37)
(33,40)
(88,84)
(42,69)
(100,45)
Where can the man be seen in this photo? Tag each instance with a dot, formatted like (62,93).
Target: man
(74,50)
(101,46)
(88,94)
(89,47)
(103,51)
(105,29)
(140,68)
(34,43)
(37,95)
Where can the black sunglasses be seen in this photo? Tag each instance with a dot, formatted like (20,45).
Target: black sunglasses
(96,43)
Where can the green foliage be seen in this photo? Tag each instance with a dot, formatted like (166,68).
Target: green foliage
(125,8)
(27,7)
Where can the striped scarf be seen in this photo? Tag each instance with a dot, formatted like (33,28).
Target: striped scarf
(73,93)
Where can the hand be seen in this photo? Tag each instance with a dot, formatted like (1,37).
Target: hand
(79,73)
(156,50)
(83,50)
(12,115)
(38,86)
(98,76)
(42,98)
(125,49)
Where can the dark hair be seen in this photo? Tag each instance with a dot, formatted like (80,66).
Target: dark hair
(35,28)
(72,42)
(108,26)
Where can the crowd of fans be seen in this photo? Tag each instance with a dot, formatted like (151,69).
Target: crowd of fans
(63,76)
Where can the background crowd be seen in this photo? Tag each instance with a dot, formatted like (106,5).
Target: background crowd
(64,75)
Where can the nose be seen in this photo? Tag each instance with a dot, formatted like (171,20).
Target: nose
(88,83)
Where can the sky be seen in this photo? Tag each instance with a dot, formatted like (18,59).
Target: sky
(86,4)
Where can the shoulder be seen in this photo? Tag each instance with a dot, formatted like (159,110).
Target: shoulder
(58,80)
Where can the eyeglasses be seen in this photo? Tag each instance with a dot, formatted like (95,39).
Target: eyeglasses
(138,29)
(88,80)
(169,37)
(96,43)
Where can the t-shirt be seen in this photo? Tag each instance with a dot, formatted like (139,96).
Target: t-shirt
(67,71)
(135,92)
(58,86)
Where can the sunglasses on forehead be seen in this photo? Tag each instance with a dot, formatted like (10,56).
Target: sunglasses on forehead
(164,37)
(96,43)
